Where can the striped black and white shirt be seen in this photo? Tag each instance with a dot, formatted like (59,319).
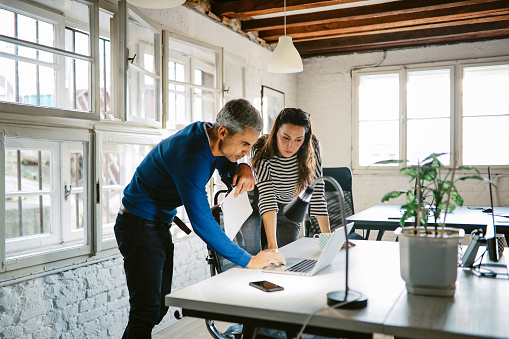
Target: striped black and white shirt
(277,180)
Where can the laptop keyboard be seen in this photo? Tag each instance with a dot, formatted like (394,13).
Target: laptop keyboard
(303,266)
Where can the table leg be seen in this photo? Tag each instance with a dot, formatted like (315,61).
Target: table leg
(249,331)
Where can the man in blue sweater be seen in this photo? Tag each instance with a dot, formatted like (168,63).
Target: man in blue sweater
(175,173)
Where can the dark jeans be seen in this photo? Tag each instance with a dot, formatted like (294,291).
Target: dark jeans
(147,249)
(287,231)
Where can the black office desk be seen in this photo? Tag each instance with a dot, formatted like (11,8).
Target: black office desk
(386,217)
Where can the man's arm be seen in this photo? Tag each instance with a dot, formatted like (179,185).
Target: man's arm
(266,258)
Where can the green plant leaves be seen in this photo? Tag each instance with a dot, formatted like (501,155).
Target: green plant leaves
(392,195)
(436,188)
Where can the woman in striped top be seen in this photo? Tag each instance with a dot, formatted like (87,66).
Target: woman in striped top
(285,161)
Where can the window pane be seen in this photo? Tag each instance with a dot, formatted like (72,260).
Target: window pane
(47,86)
(34,83)
(8,88)
(141,43)
(141,95)
(429,94)
(77,213)
(26,28)
(382,147)
(6,23)
(204,105)
(234,76)
(421,144)
(119,161)
(428,98)
(486,140)
(27,182)
(378,118)
(379,97)
(28,89)
(485,90)
(486,115)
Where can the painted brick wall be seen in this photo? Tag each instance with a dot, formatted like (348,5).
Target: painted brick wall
(88,301)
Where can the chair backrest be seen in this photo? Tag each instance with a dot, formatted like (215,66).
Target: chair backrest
(248,237)
(343,175)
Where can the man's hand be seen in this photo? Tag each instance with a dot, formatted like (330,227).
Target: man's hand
(265,258)
(243,180)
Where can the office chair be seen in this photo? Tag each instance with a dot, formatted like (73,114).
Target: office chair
(343,175)
(247,238)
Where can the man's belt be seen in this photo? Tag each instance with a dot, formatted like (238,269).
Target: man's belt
(176,221)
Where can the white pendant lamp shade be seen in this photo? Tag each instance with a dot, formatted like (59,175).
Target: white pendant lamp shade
(285,58)
(156,3)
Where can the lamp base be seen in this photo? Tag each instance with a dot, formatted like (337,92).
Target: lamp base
(354,299)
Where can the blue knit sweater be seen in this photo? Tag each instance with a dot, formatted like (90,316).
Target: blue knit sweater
(175,173)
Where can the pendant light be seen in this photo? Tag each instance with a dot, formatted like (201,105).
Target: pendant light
(285,58)
(156,3)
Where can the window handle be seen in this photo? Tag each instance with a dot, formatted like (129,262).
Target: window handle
(67,192)
(131,59)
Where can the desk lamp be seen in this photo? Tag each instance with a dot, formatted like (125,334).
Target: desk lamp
(296,211)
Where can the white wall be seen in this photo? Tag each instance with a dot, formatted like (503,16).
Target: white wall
(200,27)
(325,91)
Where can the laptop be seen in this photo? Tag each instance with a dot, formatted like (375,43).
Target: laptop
(309,267)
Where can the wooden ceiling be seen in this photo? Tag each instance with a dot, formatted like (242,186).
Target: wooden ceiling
(333,27)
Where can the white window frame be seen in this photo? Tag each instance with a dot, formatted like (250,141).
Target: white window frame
(456,68)
(60,53)
(102,137)
(168,54)
(136,15)
(58,253)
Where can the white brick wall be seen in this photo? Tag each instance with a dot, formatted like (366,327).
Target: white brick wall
(87,302)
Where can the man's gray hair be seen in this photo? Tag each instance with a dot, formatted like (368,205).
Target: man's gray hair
(237,114)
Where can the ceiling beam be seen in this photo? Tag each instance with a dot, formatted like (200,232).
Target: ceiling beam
(373,26)
(393,40)
(248,8)
(407,7)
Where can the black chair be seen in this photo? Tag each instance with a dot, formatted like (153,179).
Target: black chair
(247,238)
(343,175)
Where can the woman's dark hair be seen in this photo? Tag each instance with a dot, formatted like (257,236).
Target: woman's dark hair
(266,146)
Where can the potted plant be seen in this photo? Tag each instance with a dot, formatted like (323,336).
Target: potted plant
(429,249)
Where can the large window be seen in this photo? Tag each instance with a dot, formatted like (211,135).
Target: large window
(409,112)
(192,82)
(46,55)
(46,190)
(80,107)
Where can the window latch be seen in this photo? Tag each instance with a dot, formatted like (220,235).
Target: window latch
(131,59)
(67,192)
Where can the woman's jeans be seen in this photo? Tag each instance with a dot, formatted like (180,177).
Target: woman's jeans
(287,231)
(147,249)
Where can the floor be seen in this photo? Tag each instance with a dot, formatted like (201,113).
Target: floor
(192,328)
(188,328)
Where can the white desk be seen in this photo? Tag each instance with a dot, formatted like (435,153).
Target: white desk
(385,217)
(479,308)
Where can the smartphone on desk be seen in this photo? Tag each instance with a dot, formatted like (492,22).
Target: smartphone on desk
(266,286)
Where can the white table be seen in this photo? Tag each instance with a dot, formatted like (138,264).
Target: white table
(479,308)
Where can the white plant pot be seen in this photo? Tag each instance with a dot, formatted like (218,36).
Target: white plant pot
(429,263)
